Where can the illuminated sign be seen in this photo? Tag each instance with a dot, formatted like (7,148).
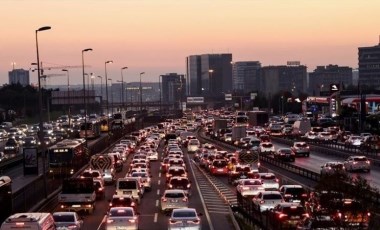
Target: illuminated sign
(195,100)
(334,88)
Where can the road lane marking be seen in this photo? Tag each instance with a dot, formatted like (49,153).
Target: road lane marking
(156,203)
(159,174)
(155,217)
(158,192)
(103,221)
(159,182)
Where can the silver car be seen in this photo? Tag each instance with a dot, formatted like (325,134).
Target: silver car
(172,199)
(67,220)
(185,218)
(122,218)
(354,163)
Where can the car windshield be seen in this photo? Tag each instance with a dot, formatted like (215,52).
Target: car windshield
(219,164)
(91,174)
(268,177)
(267,145)
(63,218)
(127,184)
(176,171)
(285,150)
(121,212)
(294,210)
(303,145)
(360,159)
(174,195)
(243,169)
(252,182)
(184,214)
(272,197)
(294,191)
(179,182)
(121,202)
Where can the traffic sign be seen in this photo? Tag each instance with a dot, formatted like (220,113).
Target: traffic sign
(228,97)
(334,88)
(253,96)
(101,162)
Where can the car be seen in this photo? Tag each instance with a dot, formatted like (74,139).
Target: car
(99,188)
(249,187)
(311,135)
(218,167)
(130,186)
(354,140)
(294,193)
(145,179)
(242,171)
(285,154)
(67,220)
(354,163)
(172,199)
(266,200)
(185,218)
(269,180)
(93,173)
(324,137)
(287,215)
(153,155)
(317,222)
(180,182)
(122,218)
(11,146)
(175,171)
(332,167)
(301,148)
(350,213)
(193,145)
(266,148)
(123,201)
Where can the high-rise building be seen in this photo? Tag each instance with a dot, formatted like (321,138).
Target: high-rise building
(369,66)
(285,78)
(321,78)
(19,76)
(173,88)
(245,76)
(209,75)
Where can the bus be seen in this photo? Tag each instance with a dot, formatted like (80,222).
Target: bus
(67,156)
(92,127)
(5,197)
(241,120)
(117,122)
(104,127)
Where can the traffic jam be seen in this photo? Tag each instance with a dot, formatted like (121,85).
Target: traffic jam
(119,189)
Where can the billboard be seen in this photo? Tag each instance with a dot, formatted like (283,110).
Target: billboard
(195,100)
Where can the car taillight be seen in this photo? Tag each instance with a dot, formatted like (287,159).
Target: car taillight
(184,199)
(245,188)
(188,185)
(262,201)
(72,227)
(306,215)
(100,189)
(133,204)
(288,195)
(173,221)
(368,162)
(354,162)
(368,214)
(170,186)
(132,220)
(109,221)
(194,221)
(339,215)
(277,180)
(282,215)
(304,195)
(164,199)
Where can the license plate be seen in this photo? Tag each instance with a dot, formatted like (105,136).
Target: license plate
(243,177)
(294,217)
(220,170)
(127,192)
(76,206)
(174,201)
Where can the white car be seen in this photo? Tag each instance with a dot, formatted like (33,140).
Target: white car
(354,163)
(249,187)
(270,181)
(173,199)
(122,218)
(354,141)
(193,145)
(266,200)
(153,155)
(185,218)
(67,220)
(266,147)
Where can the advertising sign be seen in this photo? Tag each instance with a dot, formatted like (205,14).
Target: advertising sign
(228,97)
(30,161)
(195,100)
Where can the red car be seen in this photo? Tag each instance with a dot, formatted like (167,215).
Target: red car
(218,167)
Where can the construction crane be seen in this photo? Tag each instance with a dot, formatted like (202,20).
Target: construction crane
(46,76)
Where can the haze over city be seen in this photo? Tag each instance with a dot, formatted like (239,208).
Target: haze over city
(156,36)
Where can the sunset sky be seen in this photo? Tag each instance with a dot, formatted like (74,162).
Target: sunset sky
(155,36)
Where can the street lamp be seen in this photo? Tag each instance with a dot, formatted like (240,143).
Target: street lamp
(101,93)
(109,79)
(105,68)
(122,85)
(141,92)
(40,133)
(84,96)
(68,93)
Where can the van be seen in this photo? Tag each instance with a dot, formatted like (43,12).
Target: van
(129,186)
(31,220)
(301,127)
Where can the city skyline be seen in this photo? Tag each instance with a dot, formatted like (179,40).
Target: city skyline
(155,37)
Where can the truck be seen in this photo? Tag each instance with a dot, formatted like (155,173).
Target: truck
(218,124)
(78,194)
(257,118)
(238,132)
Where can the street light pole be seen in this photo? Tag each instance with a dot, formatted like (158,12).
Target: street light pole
(84,96)
(105,68)
(101,93)
(122,86)
(159,82)
(40,132)
(210,71)
(141,92)
(68,94)
(109,79)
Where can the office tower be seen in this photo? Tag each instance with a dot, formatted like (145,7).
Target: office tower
(369,66)
(245,76)
(19,76)
(321,78)
(173,88)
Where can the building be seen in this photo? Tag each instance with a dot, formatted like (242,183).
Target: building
(245,76)
(173,88)
(286,78)
(321,78)
(19,76)
(369,66)
(209,75)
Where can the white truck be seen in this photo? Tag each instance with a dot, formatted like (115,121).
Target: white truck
(238,132)
(78,194)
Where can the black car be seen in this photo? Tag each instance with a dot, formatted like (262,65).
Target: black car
(11,146)
(285,154)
